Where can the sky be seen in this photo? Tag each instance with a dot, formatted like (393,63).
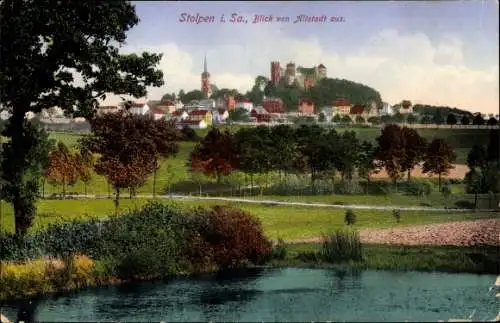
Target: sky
(438,53)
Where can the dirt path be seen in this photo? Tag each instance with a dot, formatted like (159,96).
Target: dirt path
(459,233)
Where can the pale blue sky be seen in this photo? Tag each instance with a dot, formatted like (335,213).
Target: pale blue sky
(436,52)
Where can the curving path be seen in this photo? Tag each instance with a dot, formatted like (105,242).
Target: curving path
(274,202)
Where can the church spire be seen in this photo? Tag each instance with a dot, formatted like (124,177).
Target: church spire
(205,64)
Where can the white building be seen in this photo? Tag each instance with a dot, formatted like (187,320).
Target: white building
(195,124)
(139,108)
(386,109)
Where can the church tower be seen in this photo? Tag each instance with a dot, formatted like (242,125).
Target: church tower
(205,80)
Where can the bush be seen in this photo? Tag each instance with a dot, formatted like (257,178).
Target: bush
(342,245)
(279,250)
(463,204)
(446,191)
(189,134)
(397,215)
(417,188)
(229,235)
(350,217)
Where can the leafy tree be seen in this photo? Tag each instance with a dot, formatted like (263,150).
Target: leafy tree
(474,183)
(63,167)
(346,119)
(85,161)
(163,136)
(168,97)
(337,118)
(391,151)
(396,213)
(192,95)
(411,118)
(215,155)
(223,92)
(270,89)
(438,118)
(478,120)
(283,148)
(367,165)
(438,159)
(347,154)
(465,120)
(476,157)
(493,150)
(35,148)
(492,121)
(398,118)
(426,119)
(446,191)
(41,48)
(360,120)
(414,148)
(314,150)
(239,114)
(451,119)
(321,117)
(127,155)
(374,120)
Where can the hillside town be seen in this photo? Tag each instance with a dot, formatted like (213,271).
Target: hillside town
(206,112)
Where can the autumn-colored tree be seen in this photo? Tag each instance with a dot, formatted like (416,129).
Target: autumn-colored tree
(215,155)
(127,152)
(85,162)
(63,167)
(414,148)
(438,159)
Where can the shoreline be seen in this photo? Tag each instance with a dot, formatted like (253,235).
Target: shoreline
(447,259)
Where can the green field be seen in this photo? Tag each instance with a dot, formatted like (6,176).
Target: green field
(287,222)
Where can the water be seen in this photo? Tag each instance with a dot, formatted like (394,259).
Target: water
(278,295)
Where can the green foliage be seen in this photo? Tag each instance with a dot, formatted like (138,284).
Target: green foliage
(417,188)
(280,250)
(446,191)
(239,114)
(342,245)
(478,120)
(397,215)
(350,217)
(451,119)
(438,158)
(39,46)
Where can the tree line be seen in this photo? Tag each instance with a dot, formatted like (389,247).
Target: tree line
(319,153)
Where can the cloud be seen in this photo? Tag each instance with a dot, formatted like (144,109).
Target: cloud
(399,66)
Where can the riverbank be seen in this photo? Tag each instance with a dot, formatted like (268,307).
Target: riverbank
(53,276)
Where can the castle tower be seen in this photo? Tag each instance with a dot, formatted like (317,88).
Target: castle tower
(290,72)
(275,72)
(205,80)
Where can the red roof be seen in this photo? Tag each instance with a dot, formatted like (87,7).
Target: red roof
(166,103)
(321,66)
(306,101)
(177,113)
(357,109)
(341,103)
(198,112)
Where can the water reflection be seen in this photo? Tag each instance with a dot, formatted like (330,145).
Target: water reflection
(276,295)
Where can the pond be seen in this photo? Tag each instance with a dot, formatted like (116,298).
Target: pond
(289,294)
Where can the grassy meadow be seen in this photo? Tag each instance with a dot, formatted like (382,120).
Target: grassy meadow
(279,221)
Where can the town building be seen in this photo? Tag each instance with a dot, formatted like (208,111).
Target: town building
(260,114)
(273,105)
(306,107)
(243,103)
(342,107)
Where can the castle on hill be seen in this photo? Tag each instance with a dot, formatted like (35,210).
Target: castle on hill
(300,76)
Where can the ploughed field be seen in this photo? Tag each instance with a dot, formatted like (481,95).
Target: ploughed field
(485,232)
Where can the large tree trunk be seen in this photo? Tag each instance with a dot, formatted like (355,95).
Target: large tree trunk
(22,200)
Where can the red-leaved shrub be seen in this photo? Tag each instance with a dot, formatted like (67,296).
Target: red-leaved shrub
(227,235)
